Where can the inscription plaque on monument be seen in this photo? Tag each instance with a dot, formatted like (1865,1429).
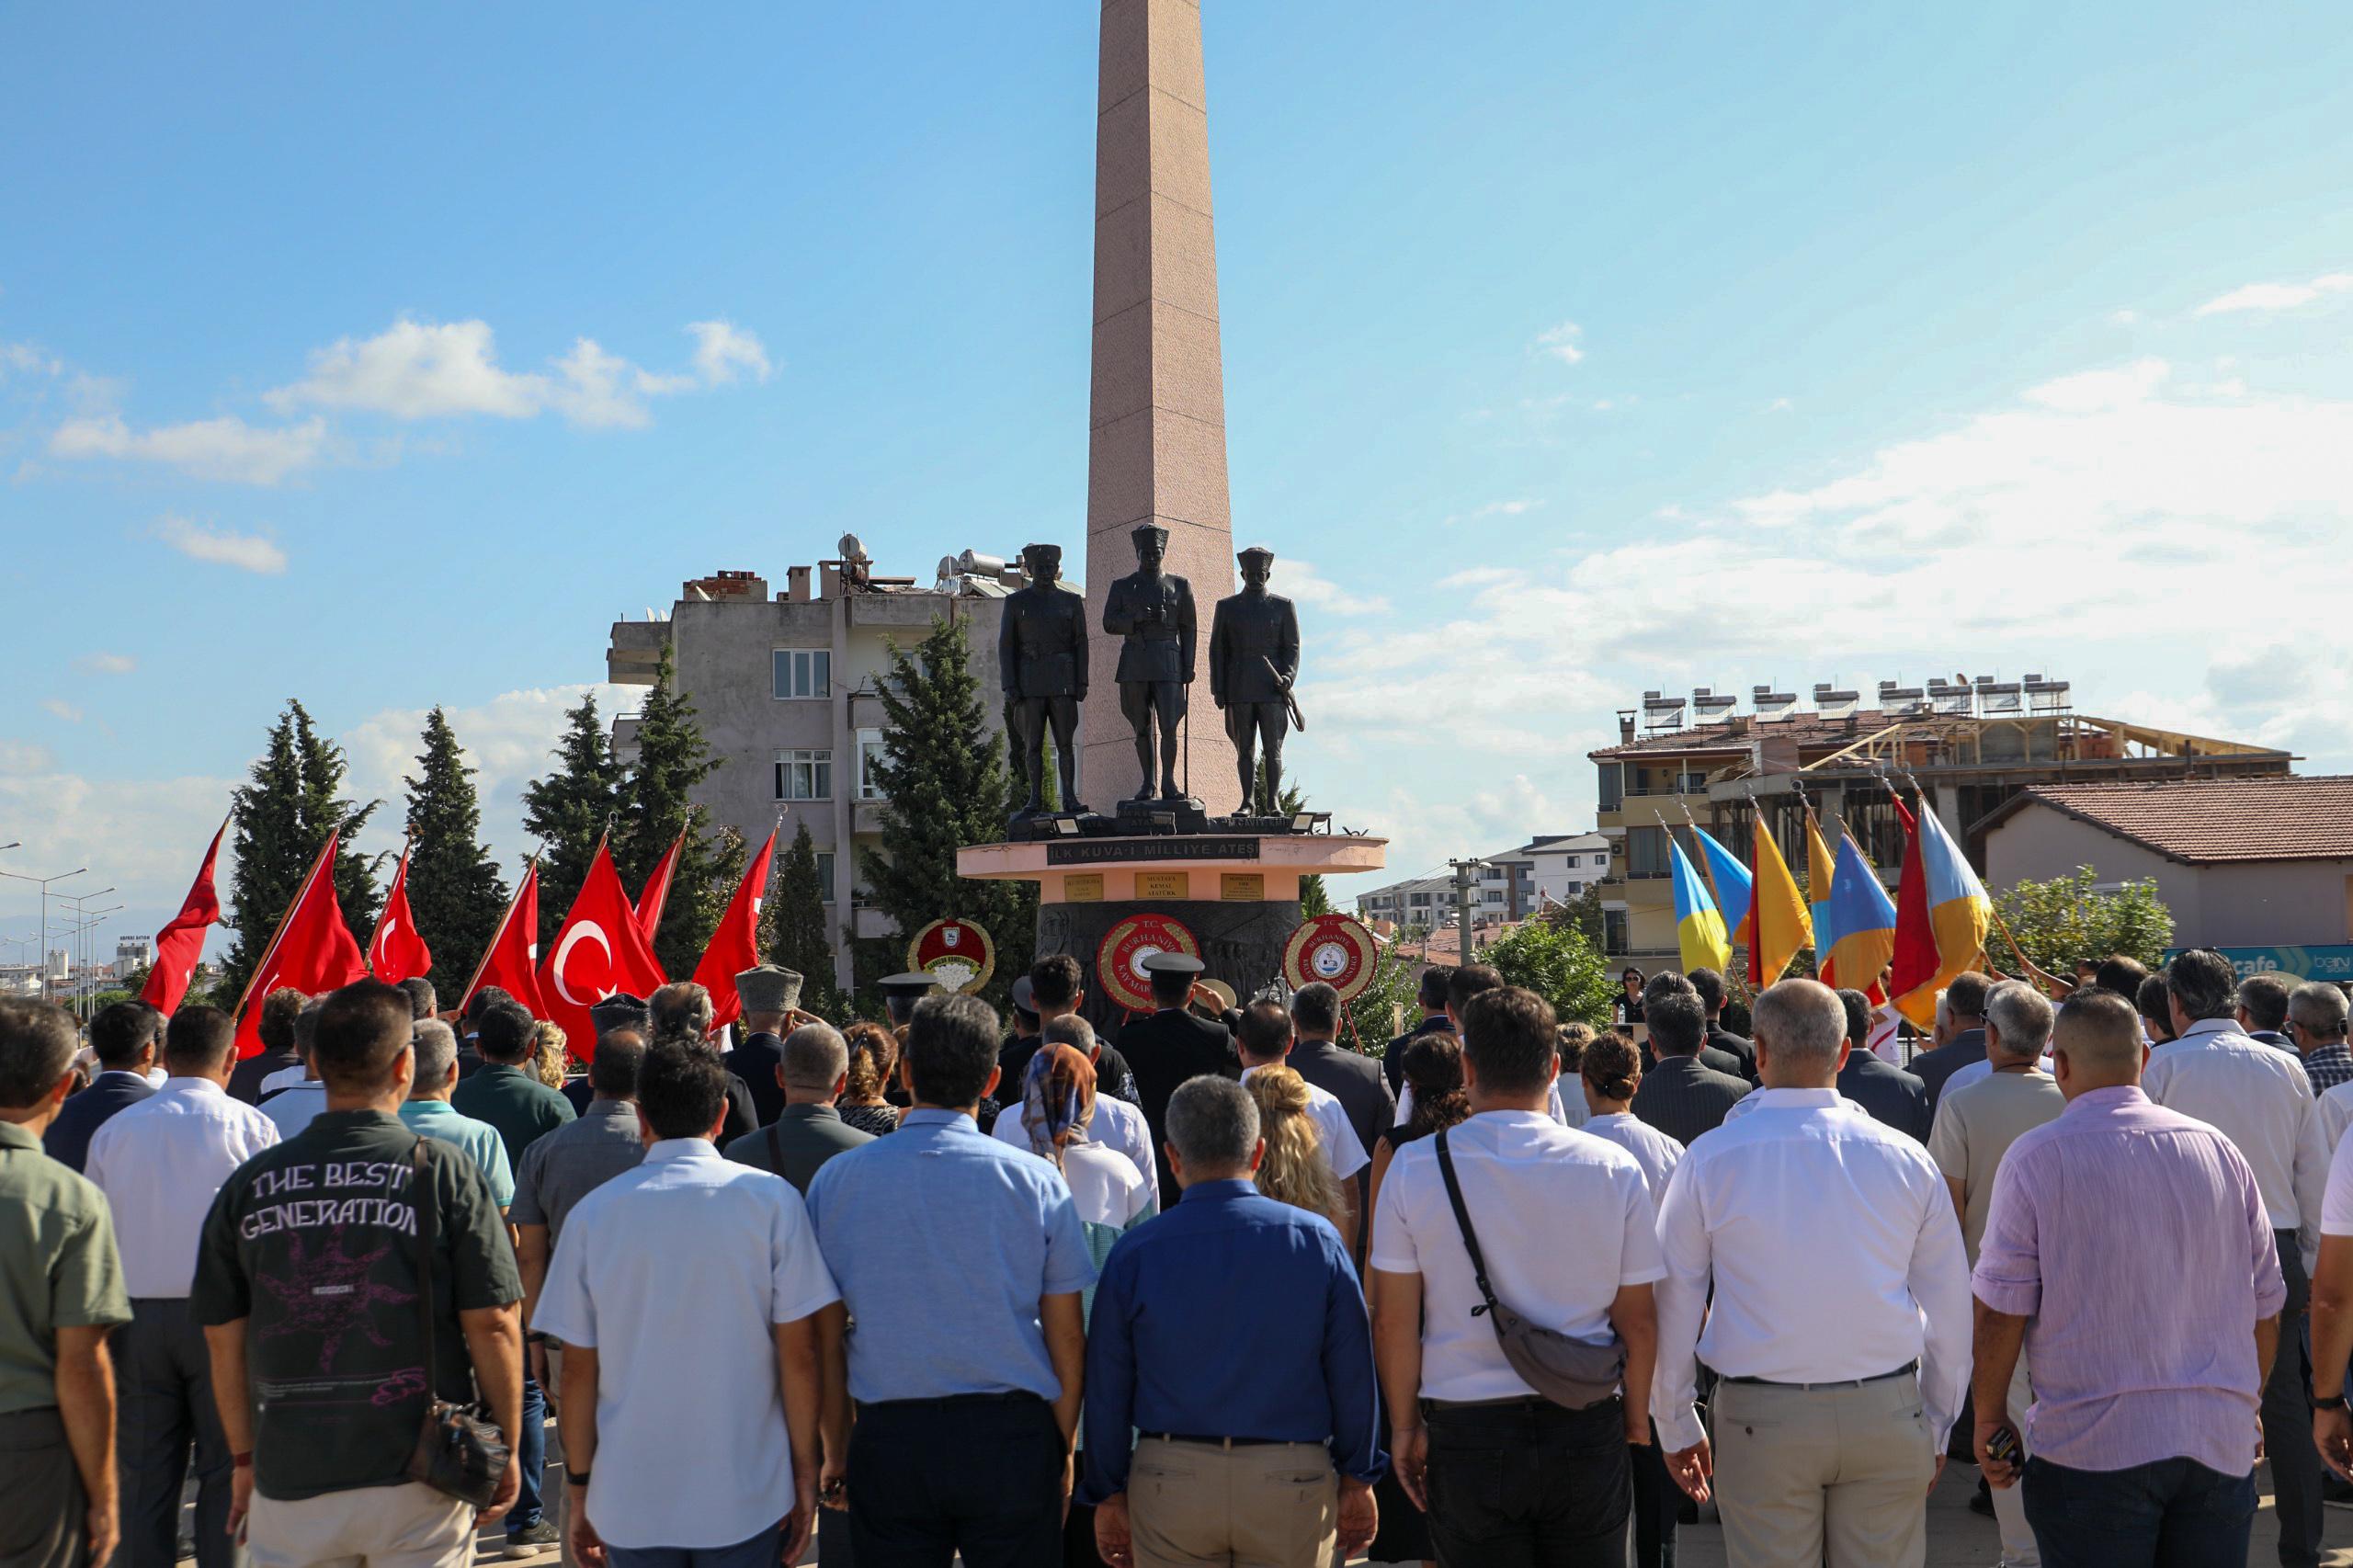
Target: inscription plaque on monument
(1103,851)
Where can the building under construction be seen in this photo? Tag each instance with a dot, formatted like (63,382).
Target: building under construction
(1968,745)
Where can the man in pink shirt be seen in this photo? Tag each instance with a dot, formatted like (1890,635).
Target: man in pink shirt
(2128,1248)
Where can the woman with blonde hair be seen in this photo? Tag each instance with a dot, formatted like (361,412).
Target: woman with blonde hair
(549,1057)
(873,1064)
(1294,1170)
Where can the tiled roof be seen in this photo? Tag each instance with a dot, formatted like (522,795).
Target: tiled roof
(2203,821)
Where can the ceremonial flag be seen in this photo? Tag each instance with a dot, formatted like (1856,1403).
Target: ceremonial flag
(735,945)
(511,961)
(1780,923)
(1698,924)
(1912,955)
(598,951)
(657,891)
(1731,879)
(311,950)
(1821,874)
(1959,914)
(181,943)
(1861,934)
(396,951)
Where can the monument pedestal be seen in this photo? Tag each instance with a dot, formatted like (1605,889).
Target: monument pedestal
(1236,892)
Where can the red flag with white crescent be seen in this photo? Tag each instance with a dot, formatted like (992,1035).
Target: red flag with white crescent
(312,951)
(657,891)
(181,943)
(735,945)
(397,951)
(598,951)
(512,960)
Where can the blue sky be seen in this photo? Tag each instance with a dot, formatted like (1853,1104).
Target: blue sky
(1568,351)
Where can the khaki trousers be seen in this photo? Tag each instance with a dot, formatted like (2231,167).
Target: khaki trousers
(1265,1506)
(408,1526)
(1838,1476)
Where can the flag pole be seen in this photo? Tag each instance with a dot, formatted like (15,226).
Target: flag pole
(408,842)
(301,892)
(529,864)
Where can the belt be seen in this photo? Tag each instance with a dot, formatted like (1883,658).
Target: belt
(1521,1402)
(1222,1442)
(1908,1370)
(1008,1396)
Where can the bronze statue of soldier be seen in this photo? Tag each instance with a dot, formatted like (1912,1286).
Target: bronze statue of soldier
(1153,611)
(1254,659)
(1042,662)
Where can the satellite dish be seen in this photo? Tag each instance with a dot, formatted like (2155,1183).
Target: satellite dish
(850,549)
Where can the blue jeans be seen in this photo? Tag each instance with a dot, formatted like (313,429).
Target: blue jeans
(760,1552)
(530,1457)
(2173,1513)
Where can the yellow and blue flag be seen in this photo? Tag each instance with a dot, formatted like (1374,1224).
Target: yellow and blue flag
(1860,936)
(1733,884)
(1698,924)
(1821,872)
(1780,922)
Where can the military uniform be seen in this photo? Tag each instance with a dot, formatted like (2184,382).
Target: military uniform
(1042,663)
(1153,611)
(1253,657)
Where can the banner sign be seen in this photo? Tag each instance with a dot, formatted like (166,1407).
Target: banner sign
(2333,962)
(1119,962)
(1336,949)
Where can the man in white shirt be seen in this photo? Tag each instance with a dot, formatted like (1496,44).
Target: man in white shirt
(688,1226)
(1566,1230)
(1264,1040)
(2259,1097)
(293,1101)
(160,1162)
(1117,1125)
(1830,1241)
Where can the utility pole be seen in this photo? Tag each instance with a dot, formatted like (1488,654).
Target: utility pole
(47,988)
(1463,875)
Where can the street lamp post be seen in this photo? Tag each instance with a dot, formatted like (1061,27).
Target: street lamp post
(42,882)
(76,953)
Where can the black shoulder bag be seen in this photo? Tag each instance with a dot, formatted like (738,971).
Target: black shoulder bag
(460,1453)
(1567,1371)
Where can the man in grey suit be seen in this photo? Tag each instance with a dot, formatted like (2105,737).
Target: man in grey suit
(814,1070)
(1682,1096)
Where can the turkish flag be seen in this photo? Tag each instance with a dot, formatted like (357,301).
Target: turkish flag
(598,950)
(657,891)
(735,945)
(511,962)
(181,943)
(397,951)
(312,950)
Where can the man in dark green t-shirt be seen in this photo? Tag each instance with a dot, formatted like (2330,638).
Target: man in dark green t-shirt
(307,1281)
(502,1091)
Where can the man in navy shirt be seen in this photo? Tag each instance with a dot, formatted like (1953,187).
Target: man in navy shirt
(1257,1447)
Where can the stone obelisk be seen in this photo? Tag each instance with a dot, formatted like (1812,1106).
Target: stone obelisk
(1156,426)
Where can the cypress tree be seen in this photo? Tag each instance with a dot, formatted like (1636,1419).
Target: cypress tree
(454,888)
(570,809)
(946,782)
(672,760)
(797,937)
(280,817)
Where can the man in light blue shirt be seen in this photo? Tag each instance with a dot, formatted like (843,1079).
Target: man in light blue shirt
(428,1113)
(960,1260)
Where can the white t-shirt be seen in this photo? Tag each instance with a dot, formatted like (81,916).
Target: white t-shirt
(1564,1218)
(293,1108)
(2336,1205)
(1118,1126)
(1654,1151)
(1342,1149)
(686,1226)
(1104,1183)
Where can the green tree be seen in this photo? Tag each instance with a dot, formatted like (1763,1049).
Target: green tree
(1312,898)
(2064,919)
(946,783)
(1558,964)
(454,888)
(1385,1008)
(281,816)
(672,759)
(797,934)
(1582,913)
(569,809)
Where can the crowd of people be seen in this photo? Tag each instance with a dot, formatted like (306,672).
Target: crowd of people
(1221,1290)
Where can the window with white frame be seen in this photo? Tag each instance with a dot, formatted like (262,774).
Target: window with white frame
(804,776)
(804,673)
(869,752)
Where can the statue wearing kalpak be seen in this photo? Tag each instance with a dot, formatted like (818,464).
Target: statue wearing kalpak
(1042,662)
(1254,659)
(1153,611)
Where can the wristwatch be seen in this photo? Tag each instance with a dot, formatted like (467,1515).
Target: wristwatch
(2334,1401)
(575,1477)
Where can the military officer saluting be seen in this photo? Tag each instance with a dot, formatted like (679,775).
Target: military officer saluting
(1042,662)
(1155,613)
(1253,658)
(1170,1045)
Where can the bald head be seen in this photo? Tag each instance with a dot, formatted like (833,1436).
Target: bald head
(2097,1043)
(1801,1035)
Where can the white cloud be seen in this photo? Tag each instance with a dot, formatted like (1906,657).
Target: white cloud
(29,359)
(1299,582)
(2123,318)
(2278,295)
(143,835)
(105,664)
(1560,342)
(225,449)
(24,757)
(60,707)
(415,370)
(222,547)
(1780,405)
(724,351)
(1512,508)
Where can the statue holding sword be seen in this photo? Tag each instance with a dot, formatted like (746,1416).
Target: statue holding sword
(1253,660)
